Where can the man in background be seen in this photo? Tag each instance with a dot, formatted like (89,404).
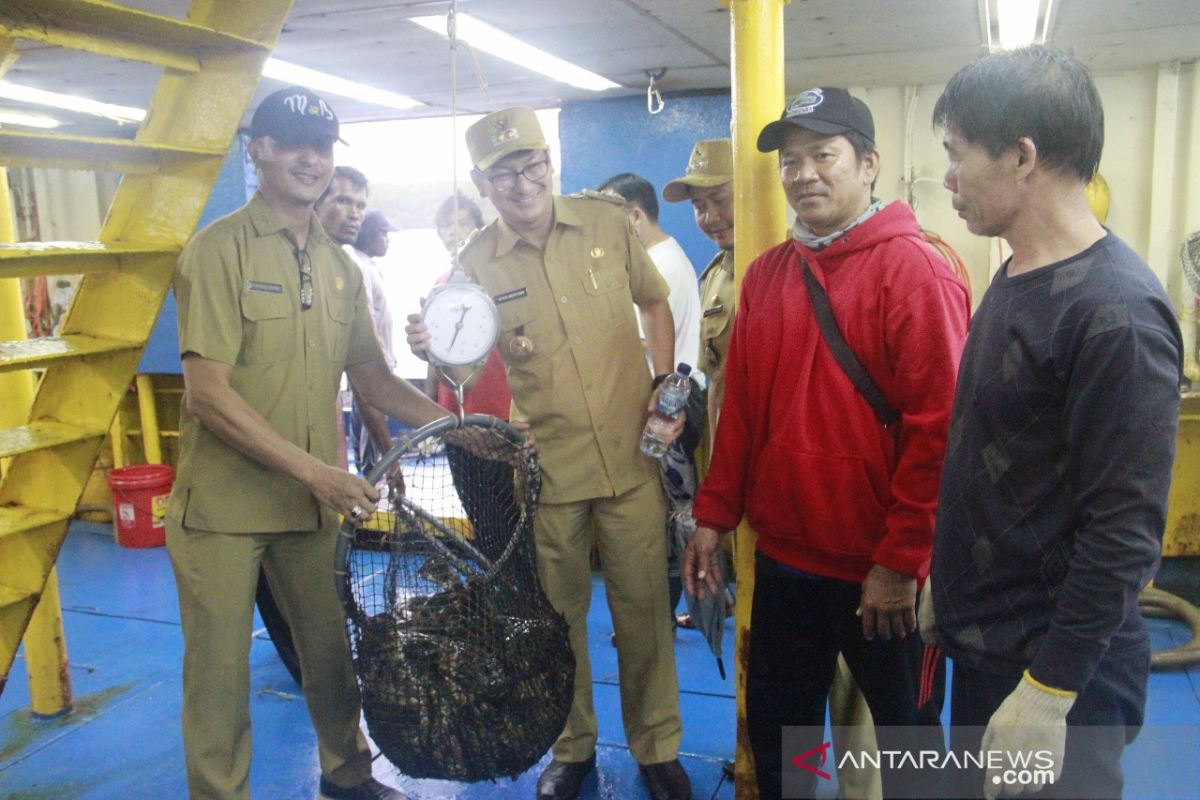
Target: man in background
(341,211)
(641,203)
(1053,499)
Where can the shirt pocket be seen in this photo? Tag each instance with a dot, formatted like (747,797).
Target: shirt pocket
(608,288)
(340,311)
(521,318)
(267,327)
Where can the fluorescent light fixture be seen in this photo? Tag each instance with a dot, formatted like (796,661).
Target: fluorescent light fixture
(27,120)
(70,102)
(1010,24)
(331,84)
(484,37)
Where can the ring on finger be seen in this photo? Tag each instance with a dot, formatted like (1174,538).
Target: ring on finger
(356,512)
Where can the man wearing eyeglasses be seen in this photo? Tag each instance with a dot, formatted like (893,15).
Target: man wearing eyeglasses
(566,273)
(271,311)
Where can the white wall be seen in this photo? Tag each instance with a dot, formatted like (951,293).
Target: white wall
(1151,161)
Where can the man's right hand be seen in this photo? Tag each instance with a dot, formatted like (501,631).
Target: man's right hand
(418,336)
(701,575)
(345,493)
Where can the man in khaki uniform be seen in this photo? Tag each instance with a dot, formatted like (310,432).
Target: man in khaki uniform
(271,311)
(566,273)
(708,183)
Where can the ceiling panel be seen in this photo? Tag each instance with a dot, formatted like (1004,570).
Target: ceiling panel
(849,42)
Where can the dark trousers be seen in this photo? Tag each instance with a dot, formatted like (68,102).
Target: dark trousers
(1107,715)
(798,626)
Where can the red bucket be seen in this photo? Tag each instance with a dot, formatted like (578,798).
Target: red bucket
(140,495)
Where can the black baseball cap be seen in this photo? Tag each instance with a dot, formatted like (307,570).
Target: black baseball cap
(294,114)
(824,109)
(376,219)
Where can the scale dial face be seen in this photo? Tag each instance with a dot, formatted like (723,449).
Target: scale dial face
(463,323)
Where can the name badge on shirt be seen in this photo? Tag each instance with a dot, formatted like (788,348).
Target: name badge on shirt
(712,312)
(515,294)
(259,286)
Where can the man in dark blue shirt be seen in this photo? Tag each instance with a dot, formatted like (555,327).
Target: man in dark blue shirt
(1053,497)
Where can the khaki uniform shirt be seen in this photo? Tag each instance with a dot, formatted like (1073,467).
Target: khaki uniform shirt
(717,307)
(585,389)
(237,284)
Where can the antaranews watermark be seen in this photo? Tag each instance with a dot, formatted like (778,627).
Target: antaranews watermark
(918,763)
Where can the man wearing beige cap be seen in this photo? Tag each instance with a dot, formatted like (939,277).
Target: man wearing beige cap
(708,183)
(566,273)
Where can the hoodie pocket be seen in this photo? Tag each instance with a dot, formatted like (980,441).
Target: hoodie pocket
(823,502)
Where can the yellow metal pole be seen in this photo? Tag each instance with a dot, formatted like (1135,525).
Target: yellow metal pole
(45,641)
(759,222)
(116,435)
(46,655)
(151,442)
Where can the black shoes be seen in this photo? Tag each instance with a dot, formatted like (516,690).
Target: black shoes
(666,780)
(561,780)
(370,789)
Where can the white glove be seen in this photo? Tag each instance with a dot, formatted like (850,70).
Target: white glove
(1030,724)
(926,623)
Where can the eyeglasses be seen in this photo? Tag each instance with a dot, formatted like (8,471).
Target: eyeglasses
(505,179)
(306,279)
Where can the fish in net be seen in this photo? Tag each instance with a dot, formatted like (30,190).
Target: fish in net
(465,668)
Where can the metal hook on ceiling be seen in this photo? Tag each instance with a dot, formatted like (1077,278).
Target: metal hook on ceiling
(654,100)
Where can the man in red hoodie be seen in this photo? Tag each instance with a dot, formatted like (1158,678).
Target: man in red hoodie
(843,505)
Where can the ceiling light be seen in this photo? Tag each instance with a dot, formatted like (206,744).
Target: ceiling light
(70,102)
(484,37)
(1010,24)
(27,120)
(331,84)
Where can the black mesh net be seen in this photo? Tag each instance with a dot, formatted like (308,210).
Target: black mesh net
(465,668)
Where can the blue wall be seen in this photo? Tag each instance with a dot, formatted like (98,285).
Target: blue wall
(235,184)
(601,138)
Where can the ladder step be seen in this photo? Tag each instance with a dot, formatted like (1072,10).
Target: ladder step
(42,436)
(18,519)
(108,29)
(65,151)
(27,259)
(10,595)
(39,353)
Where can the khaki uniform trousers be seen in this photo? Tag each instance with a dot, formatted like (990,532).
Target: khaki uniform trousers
(216,575)
(633,556)
(854,729)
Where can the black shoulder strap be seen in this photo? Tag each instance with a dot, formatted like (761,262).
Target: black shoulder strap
(849,362)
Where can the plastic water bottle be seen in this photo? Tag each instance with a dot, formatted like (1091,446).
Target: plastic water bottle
(671,402)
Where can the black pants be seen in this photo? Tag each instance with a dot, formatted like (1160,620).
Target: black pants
(798,626)
(1106,716)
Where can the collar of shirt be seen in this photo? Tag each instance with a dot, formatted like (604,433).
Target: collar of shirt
(507,238)
(266,222)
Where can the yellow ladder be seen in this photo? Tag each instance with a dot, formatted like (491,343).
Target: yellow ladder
(211,64)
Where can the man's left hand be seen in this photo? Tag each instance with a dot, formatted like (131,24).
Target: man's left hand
(1031,720)
(889,604)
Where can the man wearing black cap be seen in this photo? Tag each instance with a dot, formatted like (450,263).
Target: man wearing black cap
(271,311)
(843,504)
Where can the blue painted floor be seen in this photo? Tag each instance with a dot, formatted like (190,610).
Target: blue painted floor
(122,742)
